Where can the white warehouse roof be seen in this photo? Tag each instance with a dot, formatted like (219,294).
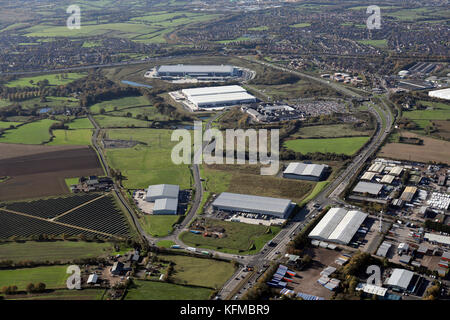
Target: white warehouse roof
(441,94)
(338,225)
(163,191)
(328,223)
(165,205)
(255,204)
(205,91)
(221,98)
(348,226)
(196,68)
(305,169)
(400,278)
(370,188)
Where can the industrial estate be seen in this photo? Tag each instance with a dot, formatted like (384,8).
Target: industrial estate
(359,208)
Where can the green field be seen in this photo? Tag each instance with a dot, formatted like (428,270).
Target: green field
(153,290)
(144,165)
(436,111)
(72,137)
(200,272)
(31,133)
(4,103)
(51,102)
(53,79)
(120,122)
(328,131)
(165,243)
(120,103)
(348,146)
(300,25)
(240,238)
(54,277)
(7,124)
(81,123)
(51,251)
(158,225)
(376,43)
(66,294)
(151,112)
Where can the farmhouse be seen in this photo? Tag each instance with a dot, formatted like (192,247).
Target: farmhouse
(304,171)
(338,225)
(218,96)
(280,208)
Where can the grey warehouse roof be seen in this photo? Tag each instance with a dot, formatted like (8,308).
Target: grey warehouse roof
(371,188)
(304,169)
(163,190)
(400,278)
(166,204)
(196,68)
(242,202)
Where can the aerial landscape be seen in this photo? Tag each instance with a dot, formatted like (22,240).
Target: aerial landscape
(256,151)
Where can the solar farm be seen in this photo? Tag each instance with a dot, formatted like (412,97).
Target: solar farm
(90,215)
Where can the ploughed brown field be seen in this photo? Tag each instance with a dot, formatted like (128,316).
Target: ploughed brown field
(40,171)
(431,150)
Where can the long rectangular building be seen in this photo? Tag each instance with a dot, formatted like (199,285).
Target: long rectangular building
(305,171)
(218,96)
(338,226)
(181,70)
(280,208)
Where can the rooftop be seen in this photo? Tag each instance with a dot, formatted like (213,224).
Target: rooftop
(163,191)
(305,169)
(400,278)
(196,68)
(166,204)
(370,188)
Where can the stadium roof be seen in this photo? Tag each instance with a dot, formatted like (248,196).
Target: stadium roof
(348,226)
(304,169)
(328,223)
(166,204)
(163,191)
(205,91)
(196,68)
(243,202)
(400,278)
(371,188)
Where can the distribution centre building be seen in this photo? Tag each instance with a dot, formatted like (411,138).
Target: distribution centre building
(218,96)
(196,71)
(305,171)
(338,226)
(276,207)
(166,206)
(162,191)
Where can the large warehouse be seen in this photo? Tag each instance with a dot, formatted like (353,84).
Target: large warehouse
(441,94)
(166,206)
(279,208)
(217,96)
(305,171)
(338,225)
(196,71)
(162,191)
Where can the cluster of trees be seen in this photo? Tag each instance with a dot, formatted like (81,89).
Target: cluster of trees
(437,226)
(433,292)
(36,288)
(286,154)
